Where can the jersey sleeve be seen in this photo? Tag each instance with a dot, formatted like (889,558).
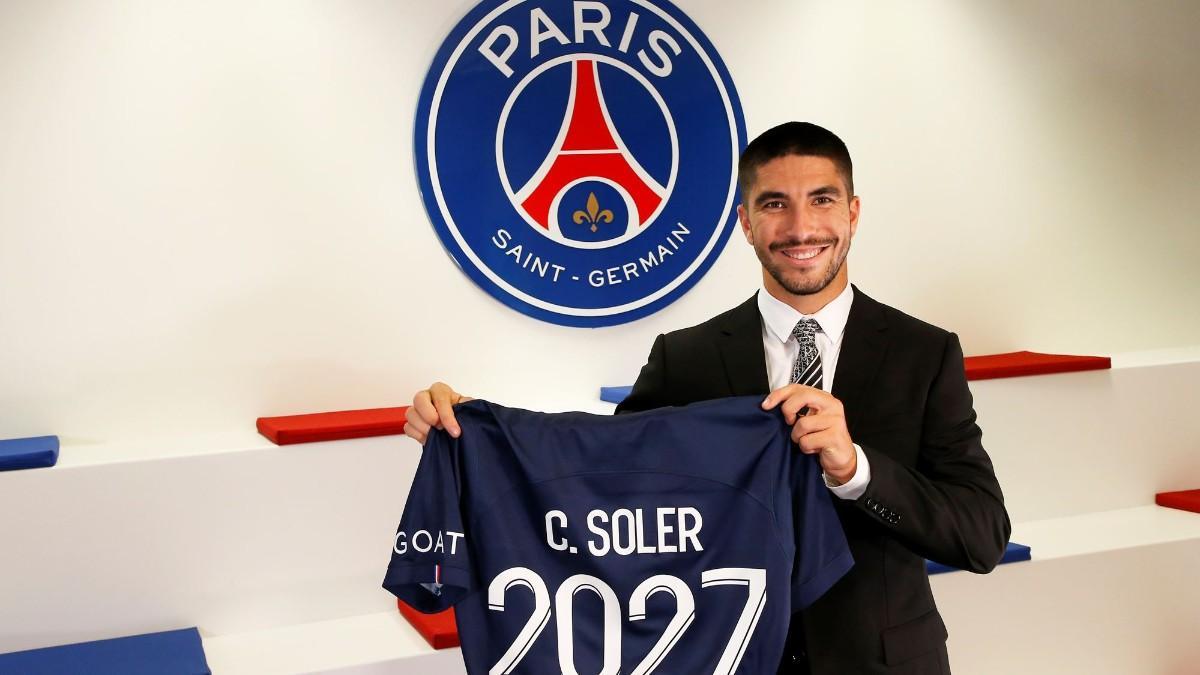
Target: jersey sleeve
(822,554)
(430,567)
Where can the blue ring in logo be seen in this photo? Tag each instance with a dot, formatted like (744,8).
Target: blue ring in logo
(579,159)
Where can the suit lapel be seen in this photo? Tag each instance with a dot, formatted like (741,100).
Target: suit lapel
(741,349)
(864,345)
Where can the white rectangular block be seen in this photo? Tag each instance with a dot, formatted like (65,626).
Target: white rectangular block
(1134,610)
(227,541)
(1092,441)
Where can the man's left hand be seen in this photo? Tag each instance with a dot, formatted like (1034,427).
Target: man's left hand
(821,430)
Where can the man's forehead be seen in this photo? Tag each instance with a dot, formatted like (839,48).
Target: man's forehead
(792,167)
(797,173)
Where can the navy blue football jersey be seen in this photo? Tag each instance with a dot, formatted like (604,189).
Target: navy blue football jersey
(677,540)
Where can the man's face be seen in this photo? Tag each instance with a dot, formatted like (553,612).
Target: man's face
(800,220)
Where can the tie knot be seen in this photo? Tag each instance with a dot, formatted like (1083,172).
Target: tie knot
(806,330)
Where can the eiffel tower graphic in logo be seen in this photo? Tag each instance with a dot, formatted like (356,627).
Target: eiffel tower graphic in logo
(588,148)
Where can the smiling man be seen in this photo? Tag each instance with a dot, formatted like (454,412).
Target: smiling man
(878,396)
(800,221)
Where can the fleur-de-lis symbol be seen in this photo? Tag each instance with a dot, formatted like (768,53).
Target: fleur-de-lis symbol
(594,215)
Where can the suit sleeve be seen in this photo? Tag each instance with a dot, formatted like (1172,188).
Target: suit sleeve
(649,390)
(430,567)
(949,507)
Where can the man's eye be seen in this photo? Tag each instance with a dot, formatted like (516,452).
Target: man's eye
(773,204)
(823,200)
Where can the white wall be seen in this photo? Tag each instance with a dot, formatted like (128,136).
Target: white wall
(208,210)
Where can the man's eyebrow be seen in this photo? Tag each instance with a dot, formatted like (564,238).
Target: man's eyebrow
(825,190)
(764,197)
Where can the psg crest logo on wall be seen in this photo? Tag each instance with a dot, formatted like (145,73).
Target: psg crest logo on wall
(579,159)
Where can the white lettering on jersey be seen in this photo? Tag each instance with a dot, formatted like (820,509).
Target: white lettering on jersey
(687,533)
(663,530)
(670,529)
(592,519)
(423,542)
(551,518)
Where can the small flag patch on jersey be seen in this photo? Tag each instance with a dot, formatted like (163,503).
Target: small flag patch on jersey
(436,586)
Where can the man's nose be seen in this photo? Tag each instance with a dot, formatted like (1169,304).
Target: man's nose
(800,224)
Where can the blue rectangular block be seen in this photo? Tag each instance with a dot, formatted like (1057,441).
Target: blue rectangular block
(28,453)
(615,394)
(1014,553)
(176,652)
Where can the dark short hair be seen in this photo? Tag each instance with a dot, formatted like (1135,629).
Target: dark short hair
(794,138)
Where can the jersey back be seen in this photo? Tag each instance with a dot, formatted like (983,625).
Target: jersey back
(677,540)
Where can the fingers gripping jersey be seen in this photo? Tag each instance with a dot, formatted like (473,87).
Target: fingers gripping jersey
(677,540)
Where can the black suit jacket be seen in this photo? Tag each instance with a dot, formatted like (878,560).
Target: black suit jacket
(933,493)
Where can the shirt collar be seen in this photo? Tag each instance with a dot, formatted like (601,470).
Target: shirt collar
(780,318)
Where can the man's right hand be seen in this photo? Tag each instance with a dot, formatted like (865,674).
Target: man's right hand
(432,408)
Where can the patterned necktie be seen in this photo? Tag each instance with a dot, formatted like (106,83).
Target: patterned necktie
(806,369)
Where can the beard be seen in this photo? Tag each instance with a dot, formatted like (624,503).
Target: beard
(799,282)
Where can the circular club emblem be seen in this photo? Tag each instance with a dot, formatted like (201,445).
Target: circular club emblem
(579,159)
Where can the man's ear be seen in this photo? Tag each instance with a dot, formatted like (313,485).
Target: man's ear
(855,207)
(744,220)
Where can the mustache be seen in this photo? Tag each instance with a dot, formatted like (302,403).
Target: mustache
(797,243)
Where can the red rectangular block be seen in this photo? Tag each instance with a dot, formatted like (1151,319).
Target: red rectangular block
(440,629)
(1187,500)
(333,426)
(1018,364)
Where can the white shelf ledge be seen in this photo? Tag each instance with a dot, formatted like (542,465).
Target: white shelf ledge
(1106,531)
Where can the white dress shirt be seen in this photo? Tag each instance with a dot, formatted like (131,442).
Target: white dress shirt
(781,348)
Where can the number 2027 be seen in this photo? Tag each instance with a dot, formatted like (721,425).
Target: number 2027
(755,581)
